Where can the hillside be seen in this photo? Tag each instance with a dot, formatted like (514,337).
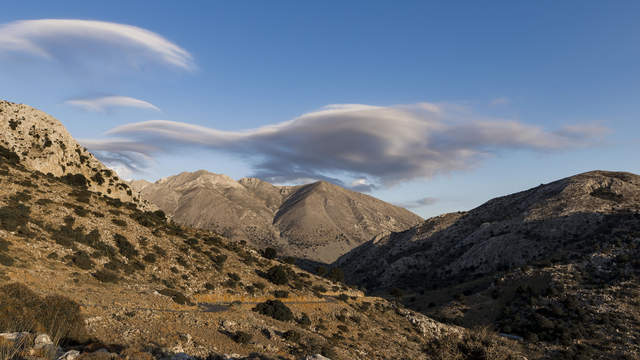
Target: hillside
(318,221)
(109,280)
(43,144)
(557,263)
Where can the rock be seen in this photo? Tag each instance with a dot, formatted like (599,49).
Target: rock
(41,341)
(15,336)
(70,355)
(232,356)
(228,325)
(316,357)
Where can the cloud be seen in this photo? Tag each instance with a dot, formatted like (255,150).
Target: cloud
(426,201)
(60,38)
(102,104)
(376,145)
(500,101)
(125,156)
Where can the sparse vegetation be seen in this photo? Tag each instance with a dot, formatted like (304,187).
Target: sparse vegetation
(275,309)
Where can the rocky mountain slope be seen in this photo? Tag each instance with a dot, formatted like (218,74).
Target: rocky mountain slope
(42,143)
(544,264)
(318,221)
(106,279)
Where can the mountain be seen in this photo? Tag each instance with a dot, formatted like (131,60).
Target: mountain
(542,264)
(87,276)
(43,144)
(318,221)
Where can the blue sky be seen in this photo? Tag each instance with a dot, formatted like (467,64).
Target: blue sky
(436,105)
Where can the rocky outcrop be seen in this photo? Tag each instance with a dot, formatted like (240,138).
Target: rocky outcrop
(42,143)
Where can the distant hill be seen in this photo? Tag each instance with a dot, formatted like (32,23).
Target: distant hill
(318,221)
(542,264)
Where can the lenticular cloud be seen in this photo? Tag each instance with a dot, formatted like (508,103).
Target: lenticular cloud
(39,37)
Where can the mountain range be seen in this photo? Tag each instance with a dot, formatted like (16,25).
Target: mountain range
(318,221)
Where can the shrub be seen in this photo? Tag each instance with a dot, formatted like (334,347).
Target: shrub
(176,296)
(106,276)
(281,294)
(150,258)
(242,337)
(275,309)
(126,248)
(304,320)
(270,253)
(259,285)
(119,222)
(474,344)
(6,260)
(292,335)
(319,289)
(74,180)
(336,275)
(343,297)
(14,216)
(23,310)
(234,276)
(82,260)
(278,275)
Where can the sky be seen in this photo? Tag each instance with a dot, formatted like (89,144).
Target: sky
(435,106)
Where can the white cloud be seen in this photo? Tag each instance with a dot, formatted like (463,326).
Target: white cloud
(378,145)
(44,37)
(105,103)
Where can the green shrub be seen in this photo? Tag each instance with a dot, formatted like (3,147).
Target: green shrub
(74,180)
(319,289)
(259,285)
(119,222)
(234,276)
(6,260)
(278,275)
(82,260)
(304,320)
(275,309)
(474,344)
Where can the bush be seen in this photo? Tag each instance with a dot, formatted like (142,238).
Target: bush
(278,275)
(275,309)
(281,294)
(106,276)
(234,276)
(292,336)
(474,344)
(126,248)
(176,296)
(82,260)
(304,320)
(319,289)
(119,222)
(23,310)
(14,216)
(270,253)
(150,258)
(74,180)
(242,337)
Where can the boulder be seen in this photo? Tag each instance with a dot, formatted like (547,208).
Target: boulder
(316,357)
(42,341)
(70,355)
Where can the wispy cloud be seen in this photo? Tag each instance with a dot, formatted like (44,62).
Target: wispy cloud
(46,37)
(426,201)
(378,145)
(102,104)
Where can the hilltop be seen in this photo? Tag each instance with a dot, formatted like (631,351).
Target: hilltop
(43,144)
(318,221)
(547,264)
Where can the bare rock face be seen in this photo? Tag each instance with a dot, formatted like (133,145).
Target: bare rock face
(503,233)
(43,144)
(318,221)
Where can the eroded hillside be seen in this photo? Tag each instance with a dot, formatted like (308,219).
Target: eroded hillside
(557,265)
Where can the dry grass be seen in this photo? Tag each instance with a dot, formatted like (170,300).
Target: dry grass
(476,344)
